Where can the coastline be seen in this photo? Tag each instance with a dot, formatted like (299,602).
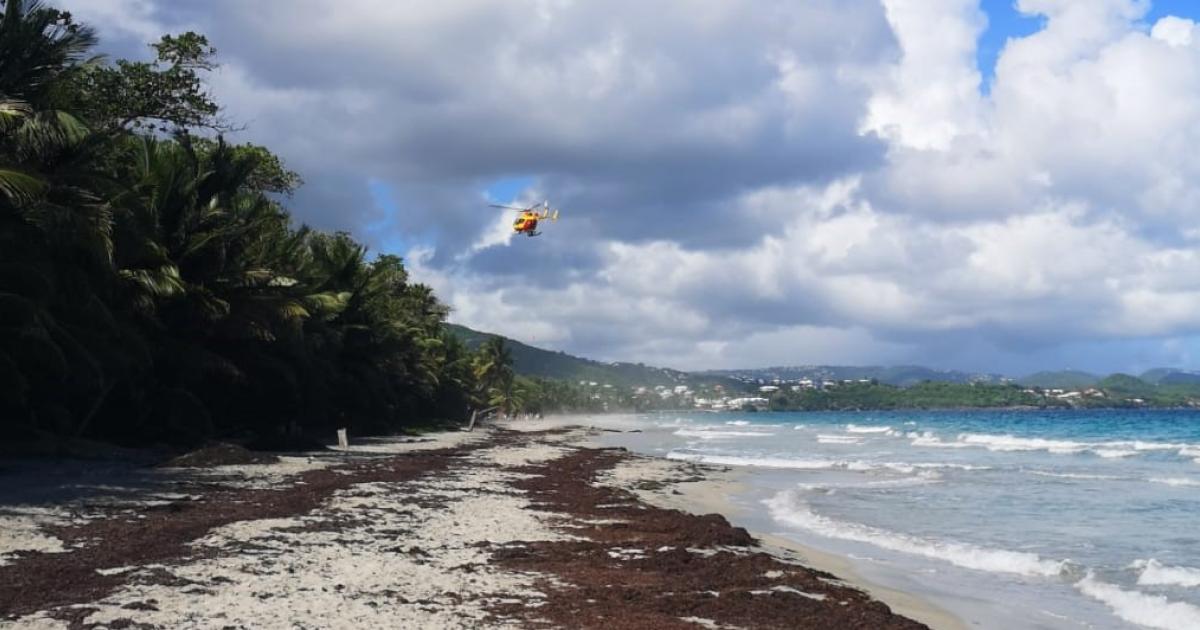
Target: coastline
(515,525)
(704,489)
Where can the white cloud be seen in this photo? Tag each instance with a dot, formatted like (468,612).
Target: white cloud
(931,96)
(750,182)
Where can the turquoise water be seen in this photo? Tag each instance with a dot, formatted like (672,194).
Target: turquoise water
(1067,519)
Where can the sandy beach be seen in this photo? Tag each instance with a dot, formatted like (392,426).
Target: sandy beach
(525,524)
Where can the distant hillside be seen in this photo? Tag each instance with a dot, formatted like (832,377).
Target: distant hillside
(1171,376)
(900,376)
(531,361)
(1127,386)
(1062,379)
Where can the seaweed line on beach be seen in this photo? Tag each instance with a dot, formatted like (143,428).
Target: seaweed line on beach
(642,566)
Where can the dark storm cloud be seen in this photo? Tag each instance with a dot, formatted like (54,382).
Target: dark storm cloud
(664,114)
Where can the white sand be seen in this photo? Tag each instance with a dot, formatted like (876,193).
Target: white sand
(21,530)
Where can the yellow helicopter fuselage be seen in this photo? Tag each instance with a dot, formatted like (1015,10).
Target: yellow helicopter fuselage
(527,221)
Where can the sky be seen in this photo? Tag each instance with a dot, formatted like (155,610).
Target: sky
(984,185)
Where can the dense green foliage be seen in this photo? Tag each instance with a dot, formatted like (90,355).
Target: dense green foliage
(1064,379)
(927,395)
(1118,390)
(153,288)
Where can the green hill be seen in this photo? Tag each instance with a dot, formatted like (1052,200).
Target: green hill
(531,361)
(1128,386)
(1062,379)
(1170,376)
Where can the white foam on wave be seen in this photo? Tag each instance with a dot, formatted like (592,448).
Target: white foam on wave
(1151,611)
(799,426)
(1176,481)
(786,509)
(738,423)
(838,439)
(1013,443)
(754,462)
(922,478)
(1154,573)
(1009,443)
(944,465)
(715,434)
(1046,473)
(853,428)
(815,464)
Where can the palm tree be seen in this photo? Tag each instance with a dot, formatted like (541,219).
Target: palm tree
(38,45)
(154,289)
(494,374)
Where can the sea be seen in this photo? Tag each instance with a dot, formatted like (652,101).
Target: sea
(1007,519)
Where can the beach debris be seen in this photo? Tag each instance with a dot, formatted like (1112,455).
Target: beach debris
(220,454)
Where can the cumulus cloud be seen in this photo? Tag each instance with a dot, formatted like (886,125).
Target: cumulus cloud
(747,182)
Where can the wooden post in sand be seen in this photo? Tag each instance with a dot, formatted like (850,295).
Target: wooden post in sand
(343,439)
(475,413)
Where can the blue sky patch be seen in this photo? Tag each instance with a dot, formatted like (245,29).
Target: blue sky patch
(1005,22)
(508,189)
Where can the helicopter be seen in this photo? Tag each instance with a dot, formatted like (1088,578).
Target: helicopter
(527,222)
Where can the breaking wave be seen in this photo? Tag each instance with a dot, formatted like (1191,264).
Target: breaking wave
(786,509)
(814,464)
(853,428)
(1176,481)
(838,439)
(1151,611)
(717,434)
(1007,443)
(1153,573)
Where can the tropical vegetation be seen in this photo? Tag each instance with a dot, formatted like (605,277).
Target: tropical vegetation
(153,286)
